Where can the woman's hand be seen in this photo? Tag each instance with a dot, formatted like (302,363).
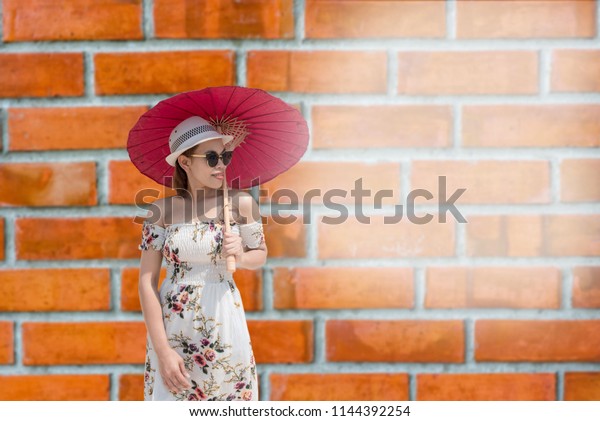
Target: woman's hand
(232,245)
(173,372)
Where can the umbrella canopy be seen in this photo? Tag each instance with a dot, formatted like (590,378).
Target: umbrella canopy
(270,136)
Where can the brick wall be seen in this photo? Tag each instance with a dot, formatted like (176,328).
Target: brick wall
(501,98)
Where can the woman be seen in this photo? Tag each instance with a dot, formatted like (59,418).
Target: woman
(198,345)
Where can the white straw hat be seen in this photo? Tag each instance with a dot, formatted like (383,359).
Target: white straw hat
(189,133)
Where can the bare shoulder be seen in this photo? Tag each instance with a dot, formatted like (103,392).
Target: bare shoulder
(246,206)
(161,210)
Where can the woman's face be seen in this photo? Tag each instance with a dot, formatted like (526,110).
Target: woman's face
(197,168)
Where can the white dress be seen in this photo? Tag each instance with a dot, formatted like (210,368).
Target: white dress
(203,313)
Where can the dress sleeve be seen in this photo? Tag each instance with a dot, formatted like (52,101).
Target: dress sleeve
(153,236)
(252,234)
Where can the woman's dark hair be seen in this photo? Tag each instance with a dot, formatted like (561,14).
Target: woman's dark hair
(180,179)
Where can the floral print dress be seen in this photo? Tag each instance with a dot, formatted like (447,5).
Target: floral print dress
(203,313)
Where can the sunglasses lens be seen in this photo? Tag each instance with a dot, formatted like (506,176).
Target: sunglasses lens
(227,157)
(212,158)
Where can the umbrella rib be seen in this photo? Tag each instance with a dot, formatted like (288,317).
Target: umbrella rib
(199,105)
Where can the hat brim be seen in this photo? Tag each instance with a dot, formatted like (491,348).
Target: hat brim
(172,158)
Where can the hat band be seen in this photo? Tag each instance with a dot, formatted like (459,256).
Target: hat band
(189,134)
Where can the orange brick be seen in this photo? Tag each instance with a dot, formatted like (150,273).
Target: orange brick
(342,287)
(533,235)
(131,387)
(586,287)
(339,387)
(282,341)
(379,19)
(486,387)
(80,238)
(40,129)
(467,72)
(250,285)
(83,343)
(162,71)
(542,126)
(130,296)
(315,182)
(491,287)
(352,239)
(485,181)
(381,126)
(127,184)
(43,20)
(47,74)
(285,239)
(395,341)
(6,342)
(537,340)
(224,19)
(48,184)
(55,289)
(579,180)
(582,386)
(1,238)
(575,71)
(528,19)
(318,71)
(55,387)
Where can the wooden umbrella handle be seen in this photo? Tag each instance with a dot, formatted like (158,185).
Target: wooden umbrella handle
(226,210)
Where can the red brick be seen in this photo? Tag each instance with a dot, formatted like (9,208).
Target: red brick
(43,20)
(282,341)
(582,386)
(339,387)
(537,340)
(381,126)
(579,180)
(40,129)
(352,239)
(318,71)
(1,238)
(159,72)
(533,235)
(395,341)
(47,75)
(586,287)
(296,184)
(374,19)
(127,182)
(467,72)
(55,387)
(485,181)
(492,287)
(285,239)
(224,19)
(83,343)
(6,342)
(342,287)
(540,126)
(80,238)
(486,387)
(527,19)
(131,387)
(55,289)
(575,71)
(48,184)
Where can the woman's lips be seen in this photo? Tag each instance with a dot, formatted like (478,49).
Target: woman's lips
(218,176)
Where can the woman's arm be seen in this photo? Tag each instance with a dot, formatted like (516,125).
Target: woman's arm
(150,264)
(253,258)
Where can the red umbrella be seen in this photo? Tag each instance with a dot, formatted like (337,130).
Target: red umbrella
(269,136)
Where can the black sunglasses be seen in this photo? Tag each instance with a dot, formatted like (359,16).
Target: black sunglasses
(213,158)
